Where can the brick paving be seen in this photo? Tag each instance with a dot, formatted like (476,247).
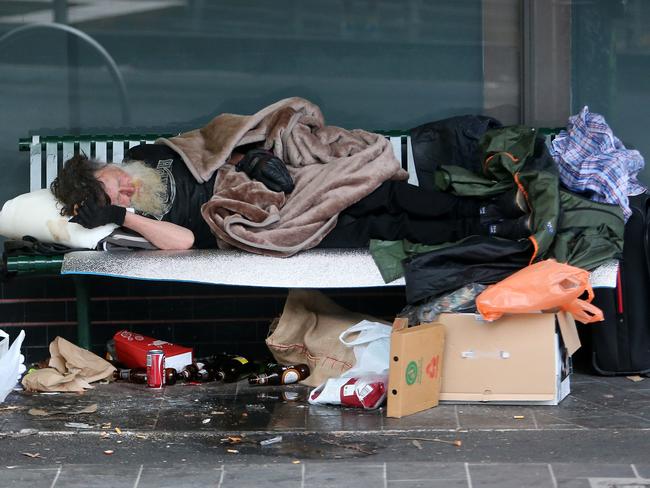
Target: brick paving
(596,438)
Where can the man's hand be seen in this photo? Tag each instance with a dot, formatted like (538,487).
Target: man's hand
(264,166)
(91,215)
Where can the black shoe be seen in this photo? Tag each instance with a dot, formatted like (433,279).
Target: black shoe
(514,229)
(508,205)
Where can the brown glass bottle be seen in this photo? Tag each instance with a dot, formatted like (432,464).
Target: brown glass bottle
(280,374)
(230,368)
(139,375)
(195,372)
(170,376)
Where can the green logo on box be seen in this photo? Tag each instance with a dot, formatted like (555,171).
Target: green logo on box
(411,373)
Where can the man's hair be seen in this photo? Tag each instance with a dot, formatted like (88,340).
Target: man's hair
(76,183)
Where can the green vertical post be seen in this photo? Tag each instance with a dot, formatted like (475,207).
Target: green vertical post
(83,315)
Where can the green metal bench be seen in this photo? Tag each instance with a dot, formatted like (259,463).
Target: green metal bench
(47,155)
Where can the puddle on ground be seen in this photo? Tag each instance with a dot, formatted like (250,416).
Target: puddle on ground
(297,446)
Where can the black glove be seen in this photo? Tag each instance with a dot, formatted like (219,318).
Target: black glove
(264,166)
(91,215)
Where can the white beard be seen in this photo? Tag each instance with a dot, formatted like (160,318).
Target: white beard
(151,192)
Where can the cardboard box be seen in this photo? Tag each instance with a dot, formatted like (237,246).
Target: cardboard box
(518,359)
(416,358)
(131,350)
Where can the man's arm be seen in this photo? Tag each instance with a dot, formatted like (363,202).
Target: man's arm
(163,235)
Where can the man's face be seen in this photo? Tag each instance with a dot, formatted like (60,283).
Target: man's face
(134,185)
(118,185)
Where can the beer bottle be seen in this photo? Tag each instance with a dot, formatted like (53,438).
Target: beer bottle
(279,374)
(170,376)
(139,375)
(195,372)
(135,375)
(231,368)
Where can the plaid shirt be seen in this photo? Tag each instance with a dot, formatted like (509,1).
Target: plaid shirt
(592,160)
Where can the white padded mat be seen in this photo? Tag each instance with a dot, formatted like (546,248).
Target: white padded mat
(316,268)
(604,276)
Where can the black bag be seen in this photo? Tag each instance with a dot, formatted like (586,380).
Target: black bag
(30,246)
(621,343)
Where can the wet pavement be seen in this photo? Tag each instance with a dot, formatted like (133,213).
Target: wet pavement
(209,435)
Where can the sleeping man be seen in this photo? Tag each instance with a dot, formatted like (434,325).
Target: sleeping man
(169,203)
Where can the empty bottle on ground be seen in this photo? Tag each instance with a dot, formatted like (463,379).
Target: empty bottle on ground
(280,374)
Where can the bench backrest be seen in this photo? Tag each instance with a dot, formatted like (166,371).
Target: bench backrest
(48,153)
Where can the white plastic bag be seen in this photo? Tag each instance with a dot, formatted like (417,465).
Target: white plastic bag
(371,348)
(11,363)
(363,385)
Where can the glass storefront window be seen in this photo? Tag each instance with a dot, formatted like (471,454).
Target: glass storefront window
(367,63)
(611,67)
(371,64)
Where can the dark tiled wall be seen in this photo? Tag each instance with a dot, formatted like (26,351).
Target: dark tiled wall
(208,318)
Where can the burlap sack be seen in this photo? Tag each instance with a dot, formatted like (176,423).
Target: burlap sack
(308,332)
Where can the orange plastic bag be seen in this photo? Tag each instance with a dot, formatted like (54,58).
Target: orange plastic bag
(543,286)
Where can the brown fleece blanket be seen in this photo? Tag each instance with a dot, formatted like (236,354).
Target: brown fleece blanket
(332,168)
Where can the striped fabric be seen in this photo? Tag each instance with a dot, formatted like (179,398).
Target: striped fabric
(593,161)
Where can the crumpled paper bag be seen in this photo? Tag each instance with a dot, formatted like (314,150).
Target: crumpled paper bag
(72,369)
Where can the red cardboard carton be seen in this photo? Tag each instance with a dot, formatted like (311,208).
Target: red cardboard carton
(131,350)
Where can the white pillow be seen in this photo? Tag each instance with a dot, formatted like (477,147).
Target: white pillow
(38,214)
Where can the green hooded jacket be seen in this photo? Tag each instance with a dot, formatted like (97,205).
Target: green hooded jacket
(564,226)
